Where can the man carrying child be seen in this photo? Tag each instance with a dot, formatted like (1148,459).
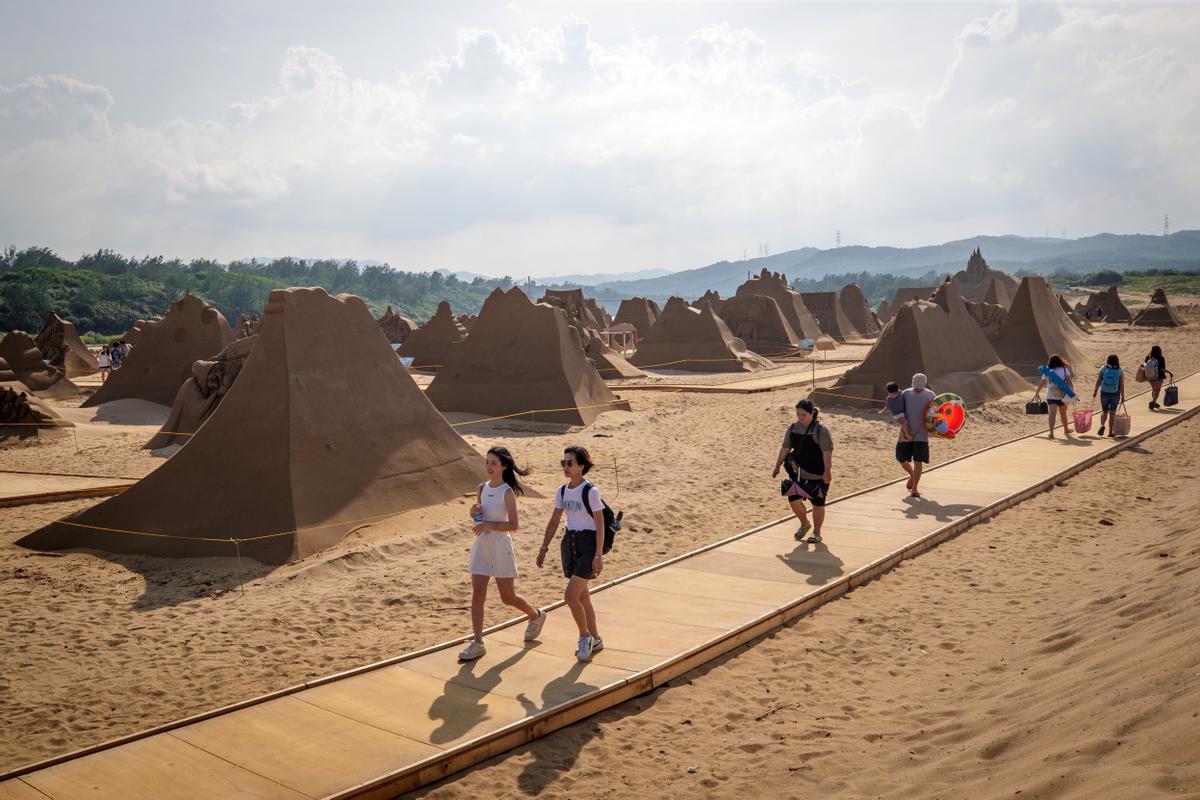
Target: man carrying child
(908,411)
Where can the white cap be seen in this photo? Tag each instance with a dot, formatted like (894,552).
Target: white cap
(920,380)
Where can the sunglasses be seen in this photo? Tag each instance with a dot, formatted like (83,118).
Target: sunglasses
(566,463)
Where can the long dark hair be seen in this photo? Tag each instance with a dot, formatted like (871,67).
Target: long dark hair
(1055,361)
(808,406)
(1113,361)
(1156,353)
(511,470)
(582,457)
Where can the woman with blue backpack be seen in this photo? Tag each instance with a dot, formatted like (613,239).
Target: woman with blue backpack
(1110,384)
(582,546)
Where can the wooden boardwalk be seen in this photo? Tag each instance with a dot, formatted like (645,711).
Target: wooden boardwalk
(390,727)
(758,383)
(25,488)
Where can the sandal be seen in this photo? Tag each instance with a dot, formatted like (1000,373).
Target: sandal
(801,531)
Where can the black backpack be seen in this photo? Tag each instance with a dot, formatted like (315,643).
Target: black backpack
(612,522)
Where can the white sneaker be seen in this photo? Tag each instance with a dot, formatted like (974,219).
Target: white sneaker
(535,626)
(584,652)
(597,645)
(472,651)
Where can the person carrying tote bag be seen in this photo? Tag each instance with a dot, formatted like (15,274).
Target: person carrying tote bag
(1121,421)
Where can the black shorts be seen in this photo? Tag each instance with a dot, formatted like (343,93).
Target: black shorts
(814,490)
(1109,401)
(912,451)
(1055,402)
(578,550)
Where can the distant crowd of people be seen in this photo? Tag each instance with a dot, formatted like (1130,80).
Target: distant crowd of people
(112,357)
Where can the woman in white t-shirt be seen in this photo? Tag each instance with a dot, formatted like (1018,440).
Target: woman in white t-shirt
(1056,398)
(492,554)
(104,361)
(582,546)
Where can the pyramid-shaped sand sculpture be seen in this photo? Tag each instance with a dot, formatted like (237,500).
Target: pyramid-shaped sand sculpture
(395,326)
(758,321)
(1105,306)
(522,356)
(323,433)
(581,311)
(976,280)
(1158,314)
(906,295)
(608,362)
(797,314)
(827,309)
(21,361)
(429,345)
(856,309)
(695,340)
(639,312)
(162,359)
(62,348)
(997,294)
(883,312)
(944,343)
(1076,320)
(1036,328)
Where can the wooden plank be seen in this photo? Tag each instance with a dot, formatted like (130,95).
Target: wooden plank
(301,746)
(154,769)
(631,601)
(686,582)
(417,706)
(19,790)
(816,572)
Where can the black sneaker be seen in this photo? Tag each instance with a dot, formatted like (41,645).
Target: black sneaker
(1101,431)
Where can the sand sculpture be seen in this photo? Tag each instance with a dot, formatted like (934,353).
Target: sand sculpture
(791,303)
(21,361)
(200,394)
(429,344)
(943,342)
(323,433)
(975,281)
(758,321)
(23,416)
(639,312)
(1037,327)
(247,326)
(1105,306)
(162,359)
(522,356)
(1076,320)
(696,340)
(580,311)
(997,294)
(883,312)
(827,309)
(989,316)
(61,346)
(134,334)
(395,327)
(714,300)
(907,295)
(608,362)
(857,310)
(1158,313)
(467,320)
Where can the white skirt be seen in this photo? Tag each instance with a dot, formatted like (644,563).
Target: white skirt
(493,555)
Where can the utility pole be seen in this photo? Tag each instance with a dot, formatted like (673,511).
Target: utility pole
(838,239)
(1166,225)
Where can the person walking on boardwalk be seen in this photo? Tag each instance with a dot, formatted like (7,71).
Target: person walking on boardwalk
(582,546)
(1154,367)
(492,554)
(912,445)
(807,456)
(1056,396)
(1110,384)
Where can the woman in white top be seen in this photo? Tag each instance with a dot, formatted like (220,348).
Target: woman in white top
(1056,398)
(492,554)
(104,361)
(582,547)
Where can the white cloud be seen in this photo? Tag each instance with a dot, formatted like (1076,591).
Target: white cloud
(503,154)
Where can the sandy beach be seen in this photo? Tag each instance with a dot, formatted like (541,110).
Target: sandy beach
(917,673)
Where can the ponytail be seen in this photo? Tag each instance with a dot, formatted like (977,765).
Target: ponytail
(511,470)
(808,406)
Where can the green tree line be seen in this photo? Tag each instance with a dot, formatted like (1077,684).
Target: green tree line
(105,292)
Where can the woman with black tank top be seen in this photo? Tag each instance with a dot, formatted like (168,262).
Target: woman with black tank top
(807,455)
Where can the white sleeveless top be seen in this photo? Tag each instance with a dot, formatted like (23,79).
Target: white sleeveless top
(492,501)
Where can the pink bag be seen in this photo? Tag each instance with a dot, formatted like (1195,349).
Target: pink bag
(1083,420)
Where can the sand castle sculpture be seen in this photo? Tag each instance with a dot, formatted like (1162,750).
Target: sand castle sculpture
(467,321)
(587,318)
(696,340)
(857,310)
(61,347)
(429,344)
(1037,327)
(395,327)
(133,334)
(791,303)
(997,294)
(827,309)
(1105,306)
(21,361)
(906,295)
(162,359)
(713,299)
(323,433)
(522,356)
(1158,313)
(758,321)
(639,312)
(976,280)
(940,339)
(23,416)
(200,394)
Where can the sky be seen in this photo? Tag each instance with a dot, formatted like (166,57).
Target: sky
(538,139)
